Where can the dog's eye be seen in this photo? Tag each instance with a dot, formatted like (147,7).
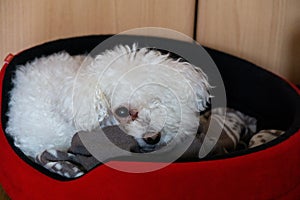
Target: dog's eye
(122,112)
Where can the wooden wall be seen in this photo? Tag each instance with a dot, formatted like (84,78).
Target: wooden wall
(30,22)
(266,32)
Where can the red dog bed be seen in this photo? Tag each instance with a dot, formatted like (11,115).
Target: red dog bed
(270,171)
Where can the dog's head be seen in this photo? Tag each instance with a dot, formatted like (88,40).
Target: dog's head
(151,96)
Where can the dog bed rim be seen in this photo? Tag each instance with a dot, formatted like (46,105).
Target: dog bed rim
(175,167)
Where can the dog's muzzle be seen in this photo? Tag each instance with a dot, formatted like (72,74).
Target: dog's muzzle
(152,138)
(151,142)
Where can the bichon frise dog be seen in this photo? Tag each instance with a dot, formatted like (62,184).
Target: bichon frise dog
(153,97)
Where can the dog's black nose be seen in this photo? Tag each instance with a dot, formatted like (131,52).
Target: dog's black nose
(152,138)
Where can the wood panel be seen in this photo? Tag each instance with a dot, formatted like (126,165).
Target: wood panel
(264,32)
(27,23)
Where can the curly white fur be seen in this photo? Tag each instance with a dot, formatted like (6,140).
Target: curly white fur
(56,96)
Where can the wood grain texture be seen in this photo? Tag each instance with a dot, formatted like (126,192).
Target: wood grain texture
(266,32)
(24,24)
(3,195)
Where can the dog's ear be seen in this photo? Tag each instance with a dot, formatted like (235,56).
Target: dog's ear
(202,89)
(89,108)
(101,105)
(199,83)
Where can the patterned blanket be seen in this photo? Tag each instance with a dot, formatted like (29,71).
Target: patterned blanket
(238,133)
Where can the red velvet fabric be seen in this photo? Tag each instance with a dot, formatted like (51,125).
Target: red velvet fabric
(269,174)
(273,173)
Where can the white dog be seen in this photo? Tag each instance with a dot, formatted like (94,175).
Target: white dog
(152,97)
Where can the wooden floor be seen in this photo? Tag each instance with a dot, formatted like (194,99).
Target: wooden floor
(3,195)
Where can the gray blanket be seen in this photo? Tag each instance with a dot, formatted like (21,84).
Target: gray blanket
(239,132)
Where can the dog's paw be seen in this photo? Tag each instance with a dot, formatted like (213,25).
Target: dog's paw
(60,162)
